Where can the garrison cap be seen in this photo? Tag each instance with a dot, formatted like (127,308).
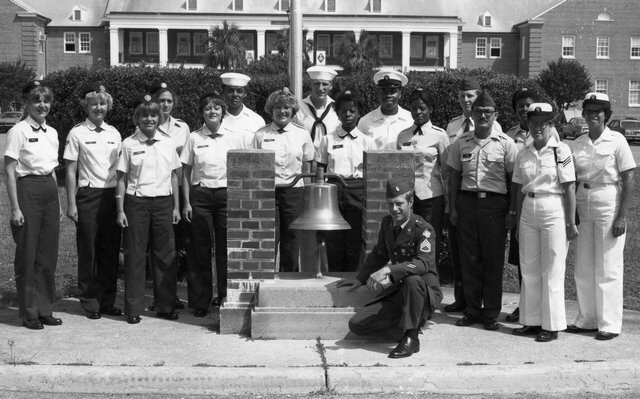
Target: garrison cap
(468,83)
(91,87)
(398,186)
(484,100)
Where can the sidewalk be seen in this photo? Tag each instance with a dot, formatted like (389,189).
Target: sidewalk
(187,356)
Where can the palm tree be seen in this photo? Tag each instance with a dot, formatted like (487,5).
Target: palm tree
(358,57)
(282,43)
(225,48)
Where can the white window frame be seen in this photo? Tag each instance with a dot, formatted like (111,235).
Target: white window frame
(602,47)
(183,44)
(495,43)
(84,40)
(235,3)
(65,38)
(76,15)
(482,47)
(132,37)
(634,49)
(199,39)
(327,8)
(388,45)
(523,49)
(192,5)
(152,37)
(570,49)
(634,93)
(487,17)
(601,86)
(377,9)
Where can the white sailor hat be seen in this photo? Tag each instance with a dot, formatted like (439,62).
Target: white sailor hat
(319,72)
(234,79)
(543,110)
(390,78)
(599,99)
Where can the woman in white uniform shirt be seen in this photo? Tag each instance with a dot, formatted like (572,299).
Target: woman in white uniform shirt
(544,199)
(605,170)
(30,158)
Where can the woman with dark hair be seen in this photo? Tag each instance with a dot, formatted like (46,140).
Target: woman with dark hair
(92,151)
(294,154)
(605,170)
(429,143)
(204,167)
(30,157)
(148,206)
(341,152)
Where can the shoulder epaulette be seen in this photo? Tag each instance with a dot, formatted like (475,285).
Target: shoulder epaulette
(297,125)
(78,124)
(457,117)
(438,128)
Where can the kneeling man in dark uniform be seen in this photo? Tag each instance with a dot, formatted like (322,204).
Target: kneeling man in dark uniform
(403,264)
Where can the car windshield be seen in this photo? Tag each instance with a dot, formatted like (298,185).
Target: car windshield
(634,125)
(11,115)
(580,121)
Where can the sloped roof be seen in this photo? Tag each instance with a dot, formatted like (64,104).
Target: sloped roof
(60,11)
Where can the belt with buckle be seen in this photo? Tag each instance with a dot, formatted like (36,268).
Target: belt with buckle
(481,194)
(588,185)
(534,195)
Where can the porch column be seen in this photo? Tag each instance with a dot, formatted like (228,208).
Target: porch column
(453,49)
(406,50)
(114,47)
(260,43)
(163,47)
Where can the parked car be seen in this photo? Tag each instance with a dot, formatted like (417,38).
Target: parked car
(630,128)
(8,119)
(574,128)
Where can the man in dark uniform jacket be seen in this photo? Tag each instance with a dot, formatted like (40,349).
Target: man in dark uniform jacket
(410,285)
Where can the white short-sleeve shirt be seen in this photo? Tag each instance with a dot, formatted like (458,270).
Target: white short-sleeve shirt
(96,151)
(246,123)
(343,152)
(544,171)
(385,128)
(34,146)
(305,119)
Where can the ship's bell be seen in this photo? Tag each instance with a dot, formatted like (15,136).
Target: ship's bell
(320,209)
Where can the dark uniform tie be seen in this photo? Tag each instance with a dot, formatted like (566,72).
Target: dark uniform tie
(281,130)
(35,129)
(467,125)
(418,131)
(318,120)
(98,129)
(396,231)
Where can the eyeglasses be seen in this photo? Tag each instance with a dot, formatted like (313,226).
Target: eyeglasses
(487,113)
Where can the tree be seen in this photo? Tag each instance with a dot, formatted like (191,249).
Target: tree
(225,48)
(13,77)
(282,44)
(565,81)
(359,57)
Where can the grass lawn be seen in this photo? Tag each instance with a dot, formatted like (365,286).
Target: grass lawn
(67,268)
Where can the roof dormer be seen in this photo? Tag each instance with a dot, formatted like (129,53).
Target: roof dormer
(486,19)
(77,14)
(604,16)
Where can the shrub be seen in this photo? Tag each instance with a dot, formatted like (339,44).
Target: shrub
(13,77)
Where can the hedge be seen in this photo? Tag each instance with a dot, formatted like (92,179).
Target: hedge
(125,83)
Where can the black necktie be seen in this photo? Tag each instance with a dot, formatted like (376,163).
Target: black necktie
(99,129)
(151,141)
(35,129)
(281,130)
(417,131)
(396,231)
(318,120)
(467,125)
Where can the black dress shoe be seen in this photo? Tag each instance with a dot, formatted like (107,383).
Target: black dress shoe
(454,307)
(407,347)
(133,319)
(168,315)
(467,321)
(179,304)
(33,324)
(526,330)
(50,321)
(491,325)
(572,328)
(111,311)
(95,315)
(546,336)
(513,316)
(605,336)
(200,313)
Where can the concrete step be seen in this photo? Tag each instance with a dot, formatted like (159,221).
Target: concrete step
(300,323)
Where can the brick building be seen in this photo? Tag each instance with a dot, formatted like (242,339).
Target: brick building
(504,35)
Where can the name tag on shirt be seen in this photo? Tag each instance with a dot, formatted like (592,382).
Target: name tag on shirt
(467,157)
(406,144)
(337,146)
(203,146)
(111,142)
(90,142)
(33,140)
(138,152)
(269,140)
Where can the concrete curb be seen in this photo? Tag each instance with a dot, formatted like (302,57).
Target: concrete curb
(175,380)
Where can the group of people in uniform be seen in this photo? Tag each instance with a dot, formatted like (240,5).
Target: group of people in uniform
(472,178)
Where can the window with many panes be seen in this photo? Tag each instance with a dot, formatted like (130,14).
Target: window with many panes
(200,43)
(495,47)
(481,47)
(338,40)
(634,93)
(153,45)
(385,46)
(601,86)
(568,46)
(635,47)
(602,47)
(69,42)
(323,43)
(183,44)
(135,43)
(77,15)
(85,42)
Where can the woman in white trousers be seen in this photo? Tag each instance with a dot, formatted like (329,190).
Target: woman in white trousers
(544,205)
(604,167)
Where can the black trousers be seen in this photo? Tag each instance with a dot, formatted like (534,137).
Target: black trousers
(149,218)
(345,247)
(36,245)
(209,221)
(98,243)
(481,235)
(289,202)
(391,316)
(454,258)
